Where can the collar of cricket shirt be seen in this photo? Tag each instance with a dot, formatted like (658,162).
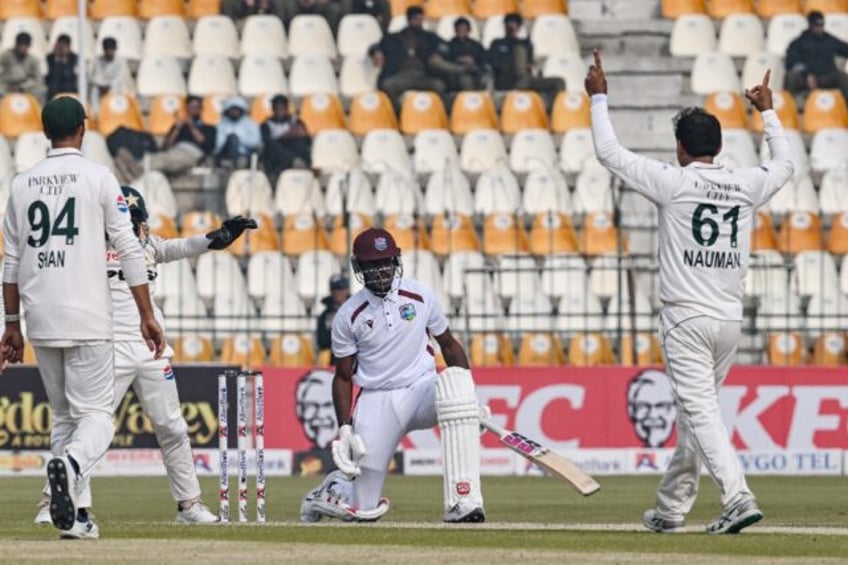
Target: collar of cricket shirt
(64,151)
(702,165)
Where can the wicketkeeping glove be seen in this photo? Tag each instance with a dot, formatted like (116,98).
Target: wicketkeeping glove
(348,451)
(230,231)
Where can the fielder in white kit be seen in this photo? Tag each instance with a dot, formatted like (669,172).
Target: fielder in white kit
(705,216)
(153,379)
(381,342)
(59,214)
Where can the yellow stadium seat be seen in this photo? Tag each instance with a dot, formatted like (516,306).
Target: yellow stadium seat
(422,110)
(29,354)
(439,8)
(292,351)
(196,223)
(339,242)
(824,6)
(260,108)
(213,104)
(243,350)
(647,350)
(118,110)
(19,113)
(825,109)
(399,6)
(837,239)
(20,9)
(199,8)
(491,350)
(571,110)
(787,111)
(162,225)
(370,111)
(673,9)
(152,8)
(99,9)
(769,8)
(722,8)
(800,231)
(829,350)
(540,350)
(523,109)
(322,111)
(263,238)
(589,350)
(452,233)
(729,108)
(472,110)
(503,233)
(55,9)
(785,349)
(485,9)
(303,233)
(552,233)
(599,235)
(165,109)
(532,9)
(407,235)
(324,358)
(763,235)
(192,349)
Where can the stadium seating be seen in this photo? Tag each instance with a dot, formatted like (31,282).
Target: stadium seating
(641,350)
(491,350)
(157,191)
(552,233)
(552,34)
(829,149)
(673,9)
(782,29)
(321,112)
(825,6)
(422,111)
(94,147)
(167,36)
(199,223)
(756,65)
(102,9)
(30,148)
(448,190)
(800,231)
(763,235)
(436,9)
(829,350)
(714,72)
(481,150)
(302,233)
(593,191)
(314,269)
(160,74)
(118,110)
(292,351)
(836,24)
(532,9)
(770,8)
(837,243)
(576,149)
(261,74)
(692,35)
(312,74)
(815,274)
(31,25)
(472,111)
(356,33)
(445,27)
(243,350)
(263,34)
(570,111)
(384,150)
(825,109)
(310,34)
(434,150)
(397,193)
(741,35)
(599,235)
(19,114)
(154,8)
(162,225)
(787,111)
(334,150)
(69,25)
(798,194)
(268,274)
(569,67)
(127,31)
(298,192)
(192,349)
(487,8)
(357,75)
(216,35)
(20,9)
(532,150)
(545,191)
(262,239)
(540,349)
(589,350)
(786,349)
(196,9)
(729,108)
(725,8)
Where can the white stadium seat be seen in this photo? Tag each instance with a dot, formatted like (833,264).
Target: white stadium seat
(248,193)
(30,148)
(263,34)
(756,65)
(126,30)
(546,191)
(358,75)
(829,149)
(455,278)
(261,74)
(553,34)
(567,66)
(843,276)
(160,74)
(157,191)
(692,35)
(216,35)
(219,274)
(564,274)
(836,24)
(737,149)
(397,23)
(269,273)
(497,191)
(356,33)
(741,35)
(767,275)
(233,313)
(385,150)
(827,313)
(312,74)
(815,274)
(575,149)
(532,150)
(621,312)
(494,29)
(299,192)
(7,163)
(448,190)
(186,314)
(422,265)
(314,269)
(211,74)
(516,274)
(797,150)
(778,313)
(94,147)
(434,150)
(714,72)
(579,311)
(69,25)
(33,26)
(481,150)
(310,34)
(168,36)
(397,194)
(284,312)
(782,30)
(833,192)
(529,312)
(593,191)
(334,150)
(482,309)
(176,281)
(797,195)
(354,189)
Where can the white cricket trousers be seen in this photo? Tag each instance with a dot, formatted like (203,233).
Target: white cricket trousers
(382,418)
(80,385)
(699,352)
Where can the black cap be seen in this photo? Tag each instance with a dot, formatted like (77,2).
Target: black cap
(62,116)
(815,18)
(413,11)
(135,202)
(339,282)
(513,17)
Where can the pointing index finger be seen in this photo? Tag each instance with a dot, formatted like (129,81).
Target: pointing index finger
(766,78)
(597,55)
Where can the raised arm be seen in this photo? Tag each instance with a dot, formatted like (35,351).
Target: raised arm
(653,179)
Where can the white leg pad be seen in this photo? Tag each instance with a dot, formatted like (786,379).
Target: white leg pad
(459,421)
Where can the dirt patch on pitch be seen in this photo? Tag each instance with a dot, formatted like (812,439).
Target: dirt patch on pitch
(229,552)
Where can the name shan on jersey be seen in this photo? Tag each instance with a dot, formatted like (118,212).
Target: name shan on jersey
(712,259)
(51,259)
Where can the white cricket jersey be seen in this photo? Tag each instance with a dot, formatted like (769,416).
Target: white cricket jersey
(156,250)
(705,215)
(389,336)
(58,217)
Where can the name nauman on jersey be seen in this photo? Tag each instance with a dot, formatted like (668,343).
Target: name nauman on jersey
(712,259)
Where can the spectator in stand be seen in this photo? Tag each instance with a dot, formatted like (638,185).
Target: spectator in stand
(20,71)
(285,141)
(380,9)
(110,73)
(339,292)
(810,59)
(405,58)
(512,60)
(469,55)
(238,9)
(238,135)
(187,143)
(62,66)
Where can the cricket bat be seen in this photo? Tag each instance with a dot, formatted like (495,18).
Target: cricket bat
(552,462)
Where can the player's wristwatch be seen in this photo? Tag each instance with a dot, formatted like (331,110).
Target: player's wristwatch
(13,318)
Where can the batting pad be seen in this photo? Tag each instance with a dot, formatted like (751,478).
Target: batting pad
(459,421)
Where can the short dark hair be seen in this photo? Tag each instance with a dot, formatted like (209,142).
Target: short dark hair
(280,100)
(64,38)
(815,18)
(413,11)
(461,21)
(513,17)
(23,38)
(110,43)
(698,131)
(193,98)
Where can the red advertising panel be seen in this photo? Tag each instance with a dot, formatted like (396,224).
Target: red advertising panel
(765,408)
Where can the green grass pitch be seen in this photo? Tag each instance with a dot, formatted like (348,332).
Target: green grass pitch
(530,520)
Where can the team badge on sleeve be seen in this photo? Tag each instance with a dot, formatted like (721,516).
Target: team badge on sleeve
(168,373)
(407,312)
(122,204)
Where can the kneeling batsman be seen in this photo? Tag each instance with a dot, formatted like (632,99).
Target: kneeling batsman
(382,331)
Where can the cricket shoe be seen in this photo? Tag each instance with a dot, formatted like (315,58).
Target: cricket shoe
(656,523)
(737,518)
(43,515)
(83,528)
(324,500)
(465,513)
(63,485)
(197,513)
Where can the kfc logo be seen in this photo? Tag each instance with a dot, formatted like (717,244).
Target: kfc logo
(651,407)
(314,398)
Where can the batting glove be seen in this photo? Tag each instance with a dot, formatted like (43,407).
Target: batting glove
(348,451)
(230,231)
